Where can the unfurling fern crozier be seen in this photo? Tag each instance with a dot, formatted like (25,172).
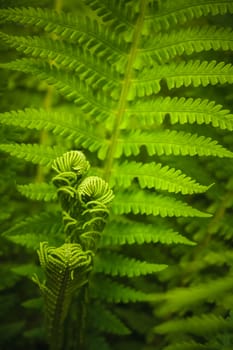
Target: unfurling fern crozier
(84,200)
(66,270)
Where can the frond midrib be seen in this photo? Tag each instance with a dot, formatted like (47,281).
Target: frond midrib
(124,92)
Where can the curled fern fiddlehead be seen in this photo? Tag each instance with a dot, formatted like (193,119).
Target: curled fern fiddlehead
(74,161)
(70,168)
(66,270)
(94,189)
(95,196)
(84,201)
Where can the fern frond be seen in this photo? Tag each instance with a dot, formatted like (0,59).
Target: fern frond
(39,191)
(120,14)
(148,203)
(169,142)
(105,320)
(32,241)
(67,125)
(35,229)
(152,175)
(180,110)
(131,232)
(179,12)
(89,68)
(189,40)
(194,72)
(204,325)
(34,303)
(115,264)
(37,154)
(47,223)
(26,270)
(79,29)
(186,298)
(90,101)
(111,291)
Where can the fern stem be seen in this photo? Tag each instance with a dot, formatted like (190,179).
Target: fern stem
(124,92)
(47,103)
(47,106)
(58,5)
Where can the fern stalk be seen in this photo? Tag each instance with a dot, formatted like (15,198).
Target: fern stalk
(44,137)
(124,92)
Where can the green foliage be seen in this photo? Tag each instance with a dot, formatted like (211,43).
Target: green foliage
(142,89)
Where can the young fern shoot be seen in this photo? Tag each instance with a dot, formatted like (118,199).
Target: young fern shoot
(66,270)
(85,210)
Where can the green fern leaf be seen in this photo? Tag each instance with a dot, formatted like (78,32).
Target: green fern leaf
(37,154)
(121,18)
(179,12)
(194,72)
(89,68)
(32,241)
(180,110)
(105,320)
(46,223)
(169,142)
(189,40)
(37,228)
(115,264)
(39,191)
(204,325)
(78,29)
(130,232)
(34,303)
(148,203)
(68,85)
(111,291)
(152,175)
(26,270)
(59,123)
(186,298)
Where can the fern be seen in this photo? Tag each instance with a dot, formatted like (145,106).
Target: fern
(180,110)
(105,320)
(40,191)
(146,203)
(156,176)
(144,79)
(66,269)
(117,265)
(36,154)
(175,43)
(111,291)
(131,232)
(196,325)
